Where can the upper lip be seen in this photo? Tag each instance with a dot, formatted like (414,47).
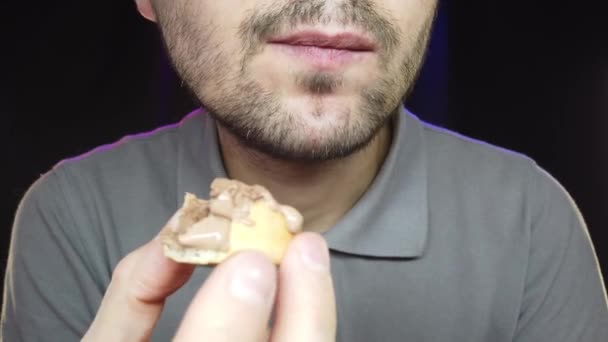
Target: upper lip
(343,40)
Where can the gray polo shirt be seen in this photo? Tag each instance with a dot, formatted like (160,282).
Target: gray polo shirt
(455,240)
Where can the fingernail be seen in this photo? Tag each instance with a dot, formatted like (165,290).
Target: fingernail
(253,279)
(313,252)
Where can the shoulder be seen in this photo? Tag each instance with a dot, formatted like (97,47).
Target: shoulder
(120,191)
(459,150)
(478,163)
(129,150)
(496,181)
(134,158)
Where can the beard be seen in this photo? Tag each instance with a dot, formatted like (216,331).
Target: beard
(257,116)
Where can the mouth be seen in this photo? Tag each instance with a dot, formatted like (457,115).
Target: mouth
(340,41)
(324,51)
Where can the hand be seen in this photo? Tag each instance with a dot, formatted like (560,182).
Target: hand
(234,304)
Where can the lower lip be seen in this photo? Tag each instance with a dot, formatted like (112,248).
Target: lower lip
(323,58)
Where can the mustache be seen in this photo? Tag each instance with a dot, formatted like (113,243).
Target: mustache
(271,20)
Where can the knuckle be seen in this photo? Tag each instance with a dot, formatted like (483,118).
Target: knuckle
(124,269)
(143,290)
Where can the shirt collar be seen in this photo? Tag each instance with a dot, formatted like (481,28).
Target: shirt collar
(391,218)
(389,221)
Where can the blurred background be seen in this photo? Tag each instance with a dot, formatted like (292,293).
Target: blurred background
(532,78)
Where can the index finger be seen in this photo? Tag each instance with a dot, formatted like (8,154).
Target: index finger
(136,295)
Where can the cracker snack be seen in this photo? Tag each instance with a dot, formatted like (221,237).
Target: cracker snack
(237,217)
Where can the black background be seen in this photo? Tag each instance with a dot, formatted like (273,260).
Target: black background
(532,78)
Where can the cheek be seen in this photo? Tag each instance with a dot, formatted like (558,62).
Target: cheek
(228,15)
(410,16)
(271,73)
(220,19)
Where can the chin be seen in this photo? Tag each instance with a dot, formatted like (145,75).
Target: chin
(322,111)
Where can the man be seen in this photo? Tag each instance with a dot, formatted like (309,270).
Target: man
(433,237)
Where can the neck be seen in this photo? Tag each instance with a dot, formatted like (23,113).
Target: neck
(322,191)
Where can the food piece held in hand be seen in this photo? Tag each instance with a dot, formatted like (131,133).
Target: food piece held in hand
(237,217)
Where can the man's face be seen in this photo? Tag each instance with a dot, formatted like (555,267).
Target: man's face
(246,62)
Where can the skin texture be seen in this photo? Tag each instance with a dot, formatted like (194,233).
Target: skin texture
(278,104)
(309,136)
(315,139)
(246,286)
